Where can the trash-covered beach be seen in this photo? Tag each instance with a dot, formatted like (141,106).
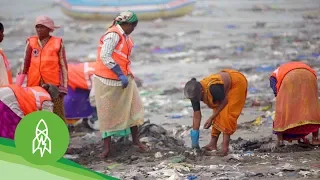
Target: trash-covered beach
(250,158)
(251,36)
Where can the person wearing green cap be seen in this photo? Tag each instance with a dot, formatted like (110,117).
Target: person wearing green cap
(119,106)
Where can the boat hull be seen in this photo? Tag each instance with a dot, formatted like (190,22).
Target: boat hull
(175,9)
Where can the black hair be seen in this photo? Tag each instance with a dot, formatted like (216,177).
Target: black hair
(1,26)
(133,23)
(51,89)
(192,89)
(45,86)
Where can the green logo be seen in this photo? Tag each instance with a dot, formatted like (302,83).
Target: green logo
(42,137)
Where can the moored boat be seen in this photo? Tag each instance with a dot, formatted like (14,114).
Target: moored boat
(108,9)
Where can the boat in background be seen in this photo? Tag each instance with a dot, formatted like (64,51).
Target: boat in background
(108,9)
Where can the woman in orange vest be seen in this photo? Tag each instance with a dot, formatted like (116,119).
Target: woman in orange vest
(225,93)
(17,102)
(79,103)
(45,62)
(119,106)
(80,84)
(297,106)
(5,70)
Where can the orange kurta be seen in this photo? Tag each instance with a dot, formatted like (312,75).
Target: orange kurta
(297,104)
(226,120)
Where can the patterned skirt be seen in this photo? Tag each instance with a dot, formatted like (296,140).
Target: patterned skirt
(8,121)
(118,109)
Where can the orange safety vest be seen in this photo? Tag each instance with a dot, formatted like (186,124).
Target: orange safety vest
(120,55)
(44,62)
(79,75)
(281,71)
(7,64)
(206,83)
(30,99)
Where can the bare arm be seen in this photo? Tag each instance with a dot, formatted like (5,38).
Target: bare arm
(221,106)
(196,115)
(196,120)
(220,89)
(27,59)
(220,93)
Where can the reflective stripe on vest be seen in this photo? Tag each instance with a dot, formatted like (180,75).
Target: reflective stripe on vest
(119,50)
(37,95)
(120,55)
(30,99)
(79,75)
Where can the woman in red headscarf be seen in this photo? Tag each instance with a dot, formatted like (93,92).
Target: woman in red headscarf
(45,62)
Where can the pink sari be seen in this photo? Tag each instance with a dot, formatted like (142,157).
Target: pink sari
(8,121)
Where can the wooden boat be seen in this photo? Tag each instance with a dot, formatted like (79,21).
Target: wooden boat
(108,9)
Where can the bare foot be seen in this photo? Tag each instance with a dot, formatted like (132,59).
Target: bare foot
(105,153)
(209,147)
(106,147)
(223,152)
(315,142)
(225,145)
(140,147)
